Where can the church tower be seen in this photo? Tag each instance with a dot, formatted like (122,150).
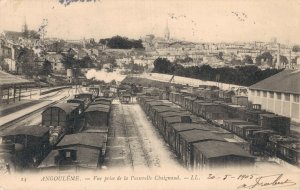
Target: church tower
(167,33)
(25,27)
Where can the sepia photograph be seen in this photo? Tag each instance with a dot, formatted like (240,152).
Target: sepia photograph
(149,94)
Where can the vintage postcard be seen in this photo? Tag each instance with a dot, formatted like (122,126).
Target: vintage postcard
(149,94)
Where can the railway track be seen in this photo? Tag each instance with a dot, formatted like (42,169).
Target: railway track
(33,113)
(136,145)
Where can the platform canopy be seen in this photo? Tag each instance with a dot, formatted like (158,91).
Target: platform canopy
(8,80)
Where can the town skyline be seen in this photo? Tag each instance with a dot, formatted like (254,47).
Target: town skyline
(226,21)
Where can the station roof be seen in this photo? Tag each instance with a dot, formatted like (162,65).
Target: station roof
(213,149)
(9,80)
(287,81)
(31,130)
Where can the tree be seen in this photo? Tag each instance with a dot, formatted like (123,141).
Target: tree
(118,42)
(24,59)
(69,61)
(86,62)
(46,68)
(162,65)
(283,60)
(296,48)
(220,56)
(247,60)
(265,57)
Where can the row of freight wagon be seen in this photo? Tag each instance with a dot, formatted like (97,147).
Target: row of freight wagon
(267,133)
(72,135)
(197,143)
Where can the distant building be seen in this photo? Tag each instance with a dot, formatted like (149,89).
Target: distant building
(279,93)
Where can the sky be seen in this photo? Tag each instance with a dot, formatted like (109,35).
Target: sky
(191,20)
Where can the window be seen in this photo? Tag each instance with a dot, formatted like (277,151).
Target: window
(258,93)
(278,95)
(271,94)
(296,98)
(287,97)
(265,94)
(68,154)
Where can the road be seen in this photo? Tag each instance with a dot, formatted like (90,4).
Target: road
(134,143)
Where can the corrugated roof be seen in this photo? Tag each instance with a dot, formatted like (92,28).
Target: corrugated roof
(197,136)
(90,139)
(32,130)
(213,149)
(287,81)
(8,80)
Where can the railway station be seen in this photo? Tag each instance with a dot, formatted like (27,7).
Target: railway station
(187,128)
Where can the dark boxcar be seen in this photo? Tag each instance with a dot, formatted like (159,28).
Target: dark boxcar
(187,138)
(290,152)
(228,124)
(241,129)
(278,123)
(76,152)
(175,128)
(80,102)
(212,154)
(87,97)
(259,141)
(63,114)
(97,115)
(31,144)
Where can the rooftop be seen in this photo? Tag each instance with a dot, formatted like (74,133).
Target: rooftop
(287,81)
(9,80)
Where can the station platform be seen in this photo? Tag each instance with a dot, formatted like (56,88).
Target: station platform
(6,109)
(17,113)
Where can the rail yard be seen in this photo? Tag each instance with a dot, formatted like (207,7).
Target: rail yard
(129,126)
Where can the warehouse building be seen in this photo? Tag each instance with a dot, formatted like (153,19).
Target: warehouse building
(279,93)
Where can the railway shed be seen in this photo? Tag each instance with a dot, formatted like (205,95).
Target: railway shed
(212,154)
(11,87)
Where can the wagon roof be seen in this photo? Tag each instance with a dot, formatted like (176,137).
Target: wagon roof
(248,126)
(90,139)
(189,126)
(172,114)
(76,99)
(31,130)
(213,149)
(67,107)
(236,121)
(103,98)
(101,103)
(194,136)
(86,157)
(98,107)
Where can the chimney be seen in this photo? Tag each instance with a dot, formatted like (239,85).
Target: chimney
(278,64)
